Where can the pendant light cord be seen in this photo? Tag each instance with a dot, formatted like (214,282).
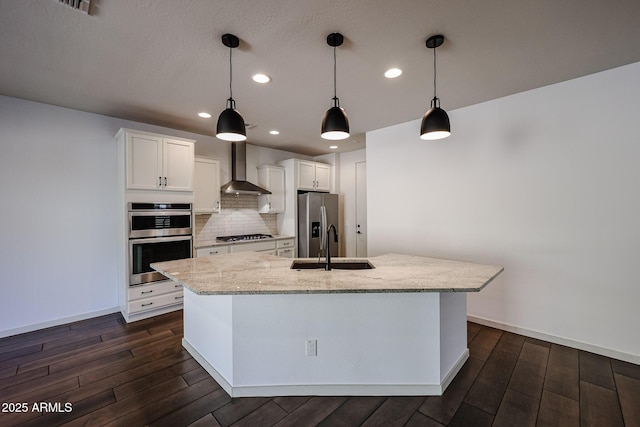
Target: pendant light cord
(435,98)
(336,102)
(230,78)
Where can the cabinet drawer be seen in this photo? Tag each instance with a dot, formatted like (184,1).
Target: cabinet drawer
(255,246)
(286,253)
(155,302)
(212,250)
(159,288)
(288,243)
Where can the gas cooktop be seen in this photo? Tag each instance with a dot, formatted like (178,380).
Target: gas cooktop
(243,237)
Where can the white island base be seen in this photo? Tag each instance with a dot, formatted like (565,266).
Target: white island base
(369,344)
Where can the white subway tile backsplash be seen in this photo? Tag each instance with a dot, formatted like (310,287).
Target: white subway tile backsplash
(238,215)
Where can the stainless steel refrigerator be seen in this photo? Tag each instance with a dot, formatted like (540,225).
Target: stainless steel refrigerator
(316,211)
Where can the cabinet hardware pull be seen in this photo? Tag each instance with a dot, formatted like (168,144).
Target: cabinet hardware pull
(146,292)
(160,181)
(177,286)
(149,303)
(165,181)
(269,205)
(179,297)
(218,205)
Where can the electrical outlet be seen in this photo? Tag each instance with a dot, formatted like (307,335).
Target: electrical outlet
(312,347)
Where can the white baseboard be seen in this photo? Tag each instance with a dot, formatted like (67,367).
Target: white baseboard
(615,354)
(329,389)
(57,322)
(129,318)
(454,370)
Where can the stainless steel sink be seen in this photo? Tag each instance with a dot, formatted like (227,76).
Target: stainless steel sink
(335,265)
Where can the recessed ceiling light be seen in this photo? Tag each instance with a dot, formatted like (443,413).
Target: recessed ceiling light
(392,73)
(333,147)
(274,132)
(261,78)
(204,115)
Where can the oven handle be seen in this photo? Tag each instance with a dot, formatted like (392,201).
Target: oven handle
(159,213)
(159,232)
(161,239)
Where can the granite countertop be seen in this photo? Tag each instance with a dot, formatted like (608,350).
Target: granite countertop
(259,273)
(210,243)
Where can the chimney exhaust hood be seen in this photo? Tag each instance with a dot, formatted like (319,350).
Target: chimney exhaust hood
(239,184)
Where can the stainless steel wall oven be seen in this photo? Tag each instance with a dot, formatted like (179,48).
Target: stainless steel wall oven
(157,232)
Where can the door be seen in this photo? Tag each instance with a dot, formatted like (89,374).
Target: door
(306,175)
(144,162)
(361,209)
(206,186)
(323,177)
(178,165)
(276,186)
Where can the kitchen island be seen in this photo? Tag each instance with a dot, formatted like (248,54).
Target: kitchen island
(261,328)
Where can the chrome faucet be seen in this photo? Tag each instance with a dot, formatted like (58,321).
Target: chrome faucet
(327,266)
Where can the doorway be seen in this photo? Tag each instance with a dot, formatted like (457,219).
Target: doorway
(361,209)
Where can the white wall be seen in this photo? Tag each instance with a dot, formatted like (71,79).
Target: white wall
(543,182)
(58,249)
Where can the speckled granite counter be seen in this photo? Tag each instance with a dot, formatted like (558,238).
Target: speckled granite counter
(256,273)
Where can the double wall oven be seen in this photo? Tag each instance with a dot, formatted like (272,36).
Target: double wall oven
(157,232)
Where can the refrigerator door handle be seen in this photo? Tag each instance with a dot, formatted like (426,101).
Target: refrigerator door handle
(323,227)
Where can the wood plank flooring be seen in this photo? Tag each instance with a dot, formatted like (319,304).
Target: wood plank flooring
(111,373)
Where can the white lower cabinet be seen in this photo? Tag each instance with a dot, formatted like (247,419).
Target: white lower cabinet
(212,250)
(286,243)
(281,247)
(285,253)
(155,302)
(255,246)
(154,295)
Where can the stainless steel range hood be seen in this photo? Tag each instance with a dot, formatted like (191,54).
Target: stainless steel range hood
(239,184)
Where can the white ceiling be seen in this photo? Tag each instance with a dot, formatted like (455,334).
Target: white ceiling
(161,61)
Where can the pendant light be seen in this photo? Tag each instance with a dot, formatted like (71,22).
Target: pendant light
(231,125)
(335,124)
(435,122)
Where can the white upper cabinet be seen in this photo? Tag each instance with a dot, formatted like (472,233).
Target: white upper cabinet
(177,164)
(206,186)
(306,175)
(323,177)
(157,162)
(313,176)
(272,179)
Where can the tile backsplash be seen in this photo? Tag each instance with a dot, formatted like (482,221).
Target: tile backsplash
(238,215)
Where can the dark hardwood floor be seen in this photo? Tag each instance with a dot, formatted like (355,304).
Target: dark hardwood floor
(112,373)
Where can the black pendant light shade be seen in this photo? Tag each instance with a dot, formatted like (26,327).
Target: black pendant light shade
(435,122)
(335,124)
(231,125)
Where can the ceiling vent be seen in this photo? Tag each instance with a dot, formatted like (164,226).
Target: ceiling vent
(81,5)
